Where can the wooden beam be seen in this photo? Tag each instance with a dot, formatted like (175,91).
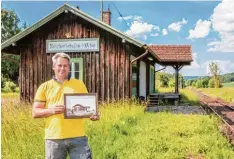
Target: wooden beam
(161,69)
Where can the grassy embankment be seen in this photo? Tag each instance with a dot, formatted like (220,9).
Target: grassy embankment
(124,131)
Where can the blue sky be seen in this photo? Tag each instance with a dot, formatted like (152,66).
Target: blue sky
(207,26)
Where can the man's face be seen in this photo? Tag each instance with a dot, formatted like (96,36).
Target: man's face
(61,68)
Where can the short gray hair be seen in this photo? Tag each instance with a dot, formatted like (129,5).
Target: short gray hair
(63,55)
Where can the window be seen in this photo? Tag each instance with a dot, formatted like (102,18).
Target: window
(77,68)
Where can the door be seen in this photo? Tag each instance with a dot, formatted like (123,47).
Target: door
(151,87)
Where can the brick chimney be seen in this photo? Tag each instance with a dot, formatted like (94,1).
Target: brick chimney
(106,17)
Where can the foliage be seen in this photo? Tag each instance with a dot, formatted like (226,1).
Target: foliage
(9,86)
(164,79)
(3,81)
(229,77)
(124,131)
(215,72)
(9,27)
(172,83)
(212,83)
(202,83)
(167,80)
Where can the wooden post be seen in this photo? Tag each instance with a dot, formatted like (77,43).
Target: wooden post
(176,79)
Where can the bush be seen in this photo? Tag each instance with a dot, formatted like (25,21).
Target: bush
(171,83)
(3,81)
(199,84)
(9,87)
(17,89)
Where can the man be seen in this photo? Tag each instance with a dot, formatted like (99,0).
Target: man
(63,136)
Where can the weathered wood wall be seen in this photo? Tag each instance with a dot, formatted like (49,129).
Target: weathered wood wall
(106,72)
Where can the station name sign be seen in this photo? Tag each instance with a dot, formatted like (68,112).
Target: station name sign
(72,45)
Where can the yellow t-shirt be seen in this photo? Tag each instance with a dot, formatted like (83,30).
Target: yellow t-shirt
(52,92)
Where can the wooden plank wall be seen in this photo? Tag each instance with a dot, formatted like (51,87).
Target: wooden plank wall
(105,72)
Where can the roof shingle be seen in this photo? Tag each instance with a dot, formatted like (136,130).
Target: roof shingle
(175,53)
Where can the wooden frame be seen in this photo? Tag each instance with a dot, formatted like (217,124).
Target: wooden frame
(80,105)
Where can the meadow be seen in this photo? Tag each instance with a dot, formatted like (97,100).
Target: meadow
(230,84)
(226,93)
(125,131)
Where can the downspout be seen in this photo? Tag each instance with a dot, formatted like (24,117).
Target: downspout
(139,57)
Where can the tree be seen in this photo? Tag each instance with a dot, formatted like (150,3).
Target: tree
(164,79)
(211,83)
(215,72)
(9,27)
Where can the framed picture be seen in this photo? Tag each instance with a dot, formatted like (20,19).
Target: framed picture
(80,105)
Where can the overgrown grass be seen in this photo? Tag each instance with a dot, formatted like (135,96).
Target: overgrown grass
(226,93)
(187,95)
(9,95)
(124,132)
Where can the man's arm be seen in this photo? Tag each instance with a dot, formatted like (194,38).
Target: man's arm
(39,110)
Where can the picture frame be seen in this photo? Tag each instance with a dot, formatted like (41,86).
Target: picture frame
(80,105)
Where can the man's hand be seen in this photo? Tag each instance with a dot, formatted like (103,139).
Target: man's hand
(95,117)
(58,109)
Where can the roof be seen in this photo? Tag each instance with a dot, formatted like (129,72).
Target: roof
(173,53)
(76,12)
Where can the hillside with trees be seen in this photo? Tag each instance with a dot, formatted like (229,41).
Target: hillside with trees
(215,80)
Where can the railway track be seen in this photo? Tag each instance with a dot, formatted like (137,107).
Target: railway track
(224,110)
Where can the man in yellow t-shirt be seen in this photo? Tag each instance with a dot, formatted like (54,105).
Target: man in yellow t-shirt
(62,136)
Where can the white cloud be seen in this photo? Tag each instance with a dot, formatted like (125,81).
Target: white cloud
(194,64)
(156,28)
(138,28)
(201,29)
(130,17)
(223,23)
(190,70)
(176,26)
(225,66)
(168,69)
(164,32)
(154,34)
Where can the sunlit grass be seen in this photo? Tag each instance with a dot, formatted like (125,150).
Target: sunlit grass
(125,131)
(230,84)
(226,93)
(187,95)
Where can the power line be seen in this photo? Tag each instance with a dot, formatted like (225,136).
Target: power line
(123,18)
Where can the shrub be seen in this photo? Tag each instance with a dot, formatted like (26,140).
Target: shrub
(3,81)
(9,87)
(199,84)
(171,83)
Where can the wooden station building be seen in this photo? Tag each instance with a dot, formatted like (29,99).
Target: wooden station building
(110,63)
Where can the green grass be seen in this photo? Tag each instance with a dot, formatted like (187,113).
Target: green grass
(187,95)
(124,132)
(226,93)
(230,84)
(9,95)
